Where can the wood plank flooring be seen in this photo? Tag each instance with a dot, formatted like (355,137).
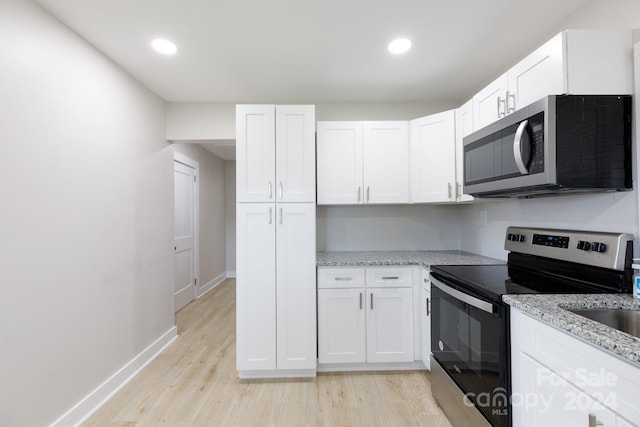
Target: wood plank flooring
(194,383)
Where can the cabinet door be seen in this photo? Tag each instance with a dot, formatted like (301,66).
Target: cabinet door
(296,285)
(386,162)
(432,148)
(341,325)
(295,153)
(464,127)
(339,168)
(256,286)
(255,153)
(544,398)
(389,325)
(489,104)
(540,74)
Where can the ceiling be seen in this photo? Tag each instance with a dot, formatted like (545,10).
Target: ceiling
(302,51)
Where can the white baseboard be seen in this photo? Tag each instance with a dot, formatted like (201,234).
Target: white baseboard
(82,410)
(211,284)
(231,274)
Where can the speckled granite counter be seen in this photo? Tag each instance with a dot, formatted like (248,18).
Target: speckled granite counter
(423,258)
(551,309)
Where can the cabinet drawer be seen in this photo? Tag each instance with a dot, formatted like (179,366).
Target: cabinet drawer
(385,277)
(340,277)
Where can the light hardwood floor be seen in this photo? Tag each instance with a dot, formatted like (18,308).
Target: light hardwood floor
(194,383)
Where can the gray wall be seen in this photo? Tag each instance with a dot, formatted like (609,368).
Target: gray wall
(230,215)
(212,257)
(86,217)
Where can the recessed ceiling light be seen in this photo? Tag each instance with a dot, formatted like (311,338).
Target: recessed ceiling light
(164,46)
(399,46)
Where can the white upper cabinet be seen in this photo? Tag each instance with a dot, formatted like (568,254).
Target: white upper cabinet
(339,163)
(489,104)
(255,153)
(363,162)
(432,147)
(295,153)
(464,126)
(386,162)
(275,153)
(573,62)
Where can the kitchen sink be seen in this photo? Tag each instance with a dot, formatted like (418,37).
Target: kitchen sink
(622,319)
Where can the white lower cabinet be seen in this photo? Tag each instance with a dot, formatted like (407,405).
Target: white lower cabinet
(389,325)
(558,379)
(341,326)
(275,290)
(365,324)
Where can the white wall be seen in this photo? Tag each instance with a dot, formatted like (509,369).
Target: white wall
(616,212)
(200,120)
(86,217)
(386,228)
(230,215)
(212,248)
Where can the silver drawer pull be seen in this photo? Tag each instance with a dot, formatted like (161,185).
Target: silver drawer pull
(360,300)
(390,277)
(342,279)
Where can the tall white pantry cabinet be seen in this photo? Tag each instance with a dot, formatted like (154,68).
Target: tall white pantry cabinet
(276,241)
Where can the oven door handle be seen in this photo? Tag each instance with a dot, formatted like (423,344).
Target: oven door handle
(461,296)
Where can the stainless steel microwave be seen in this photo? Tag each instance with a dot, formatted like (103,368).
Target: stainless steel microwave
(561,144)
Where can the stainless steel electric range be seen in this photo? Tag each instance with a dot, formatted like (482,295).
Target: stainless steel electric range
(470,324)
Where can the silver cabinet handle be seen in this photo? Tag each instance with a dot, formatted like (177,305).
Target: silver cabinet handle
(449,190)
(424,280)
(270,190)
(458,191)
(522,147)
(593,421)
(512,96)
(280,189)
(270,215)
(427,303)
(390,277)
(359,188)
(342,279)
(371,300)
(501,113)
(280,215)
(360,300)
(368,194)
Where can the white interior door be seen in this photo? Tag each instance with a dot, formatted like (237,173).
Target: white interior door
(185,234)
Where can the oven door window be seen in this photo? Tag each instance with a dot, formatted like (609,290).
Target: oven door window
(469,344)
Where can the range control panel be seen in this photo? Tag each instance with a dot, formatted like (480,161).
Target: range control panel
(600,249)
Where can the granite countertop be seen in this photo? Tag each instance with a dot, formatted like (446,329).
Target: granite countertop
(552,309)
(423,258)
